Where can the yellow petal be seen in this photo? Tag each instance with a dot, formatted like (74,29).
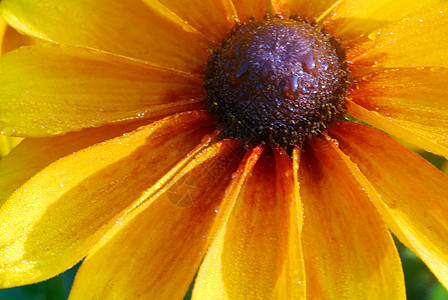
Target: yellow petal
(248,8)
(429,138)
(10,39)
(13,40)
(33,155)
(291,282)
(213,18)
(445,168)
(349,254)
(3,26)
(7,143)
(304,8)
(256,253)
(53,220)
(414,99)
(351,19)
(417,41)
(411,193)
(128,28)
(154,250)
(48,89)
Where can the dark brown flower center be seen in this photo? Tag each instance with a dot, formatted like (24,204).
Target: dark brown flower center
(276,82)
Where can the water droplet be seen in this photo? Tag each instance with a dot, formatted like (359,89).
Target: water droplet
(206,139)
(434,69)
(8,131)
(308,62)
(374,35)
(367,77)
(291,86)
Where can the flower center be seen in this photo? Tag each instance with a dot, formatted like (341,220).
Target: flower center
(276,82)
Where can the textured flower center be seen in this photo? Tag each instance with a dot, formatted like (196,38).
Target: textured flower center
(276,82)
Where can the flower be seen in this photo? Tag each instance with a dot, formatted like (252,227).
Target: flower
(124,168)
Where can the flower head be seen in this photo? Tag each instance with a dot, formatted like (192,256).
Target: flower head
(125,165)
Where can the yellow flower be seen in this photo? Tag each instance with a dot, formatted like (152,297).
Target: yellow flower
(123,166)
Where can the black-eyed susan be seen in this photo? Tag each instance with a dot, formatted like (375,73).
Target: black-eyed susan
(172,141)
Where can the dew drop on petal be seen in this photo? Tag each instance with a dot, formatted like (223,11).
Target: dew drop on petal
(374,35)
